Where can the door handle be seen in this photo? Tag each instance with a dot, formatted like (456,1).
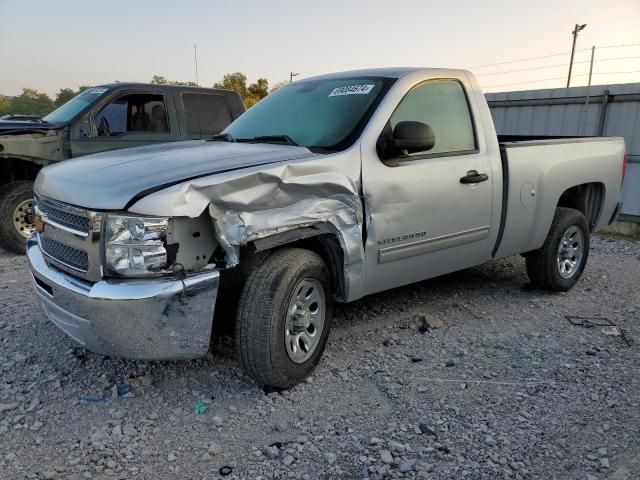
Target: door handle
(473,176)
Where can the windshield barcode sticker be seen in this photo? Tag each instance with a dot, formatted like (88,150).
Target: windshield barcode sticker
(351,90)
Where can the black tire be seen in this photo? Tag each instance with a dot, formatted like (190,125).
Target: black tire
(262,313)
(11,195)
(542,264)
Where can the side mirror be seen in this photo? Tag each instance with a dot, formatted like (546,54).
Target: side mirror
(412,137)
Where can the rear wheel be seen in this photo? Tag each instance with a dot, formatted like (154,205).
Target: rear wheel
(16,215)
(284,317)
(559,263)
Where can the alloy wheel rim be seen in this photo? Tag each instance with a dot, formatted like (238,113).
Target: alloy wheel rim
(570,252)
(305,319)
(23,218)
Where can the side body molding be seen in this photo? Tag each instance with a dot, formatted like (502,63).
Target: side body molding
(421,247)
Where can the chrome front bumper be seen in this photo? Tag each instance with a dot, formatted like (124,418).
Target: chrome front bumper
(155,319)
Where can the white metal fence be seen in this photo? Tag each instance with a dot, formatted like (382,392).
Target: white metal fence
(612,110)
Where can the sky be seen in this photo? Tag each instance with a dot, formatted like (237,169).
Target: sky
(51,45)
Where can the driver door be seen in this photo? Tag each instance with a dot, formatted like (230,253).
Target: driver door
(423,221)
(130,119)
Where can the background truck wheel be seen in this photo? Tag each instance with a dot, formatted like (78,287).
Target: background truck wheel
(559,263)
(16,215)
(284,317)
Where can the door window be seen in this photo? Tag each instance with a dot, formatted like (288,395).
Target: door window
(132,113)
(443,105)
(207,114)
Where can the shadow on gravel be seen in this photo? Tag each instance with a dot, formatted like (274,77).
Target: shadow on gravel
(506,275)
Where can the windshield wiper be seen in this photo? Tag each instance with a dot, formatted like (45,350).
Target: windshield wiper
(222,137)
(283,139)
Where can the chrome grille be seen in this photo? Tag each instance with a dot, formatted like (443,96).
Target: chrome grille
(63,217)
(69,236)
(65,254)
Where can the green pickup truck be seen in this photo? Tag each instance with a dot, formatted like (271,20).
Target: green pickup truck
(101,118)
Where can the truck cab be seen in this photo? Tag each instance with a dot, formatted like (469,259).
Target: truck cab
(101,118)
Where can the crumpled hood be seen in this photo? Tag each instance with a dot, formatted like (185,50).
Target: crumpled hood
(110,180)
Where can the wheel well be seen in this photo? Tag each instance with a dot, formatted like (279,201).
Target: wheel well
(14,169)
(325,244)
(232,280)
(587,198)
(328,247)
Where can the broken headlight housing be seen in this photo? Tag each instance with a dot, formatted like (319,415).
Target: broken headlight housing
(135,246)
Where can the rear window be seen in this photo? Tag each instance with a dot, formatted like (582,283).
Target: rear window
(207,113)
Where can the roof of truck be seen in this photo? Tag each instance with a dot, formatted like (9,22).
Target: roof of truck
(390,72)
(159,86)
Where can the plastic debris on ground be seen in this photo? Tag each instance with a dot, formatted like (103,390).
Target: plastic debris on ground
(200,408)
(92,399)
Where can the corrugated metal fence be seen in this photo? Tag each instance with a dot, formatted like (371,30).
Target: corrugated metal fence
(612,110)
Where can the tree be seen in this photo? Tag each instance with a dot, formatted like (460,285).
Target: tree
(5,105)
(238,83)
(234,81)
(260,89)
(64,95)
(160,80)
(32,102)
(184,84)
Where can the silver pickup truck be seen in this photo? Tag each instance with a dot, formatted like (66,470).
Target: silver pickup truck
(330,189)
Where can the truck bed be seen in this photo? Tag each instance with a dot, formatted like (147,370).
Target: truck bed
(536,171)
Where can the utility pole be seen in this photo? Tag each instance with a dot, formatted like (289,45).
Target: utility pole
(291,75)
(585,109)
(593,52)
(578,28)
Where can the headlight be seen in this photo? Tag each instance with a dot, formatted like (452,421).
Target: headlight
(135,246)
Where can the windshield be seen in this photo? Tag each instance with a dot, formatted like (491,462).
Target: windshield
(326,113)
(69,110)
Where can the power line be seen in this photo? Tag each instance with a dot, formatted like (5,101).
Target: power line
(521,60)
(619,46)
(525,69)
(553,55)
(554,66)
(560,78)
(612,73)
(529,81)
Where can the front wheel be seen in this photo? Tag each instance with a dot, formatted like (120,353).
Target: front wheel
(559,263)
(284,316)
(16,215)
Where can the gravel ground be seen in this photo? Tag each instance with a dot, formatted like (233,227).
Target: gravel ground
(503,387)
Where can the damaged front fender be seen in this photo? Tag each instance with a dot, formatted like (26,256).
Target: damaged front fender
(255,203)
(38,146)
